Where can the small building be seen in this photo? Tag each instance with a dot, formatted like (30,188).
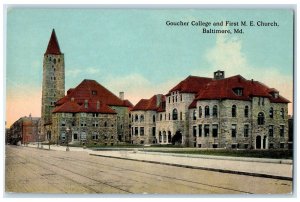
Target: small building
(24,130)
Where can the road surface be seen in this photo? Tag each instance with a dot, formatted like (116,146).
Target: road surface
(32,170)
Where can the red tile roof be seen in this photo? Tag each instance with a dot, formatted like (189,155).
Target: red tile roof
(93,92)
(223,89)
(151,104)
(53,46)
(192,84)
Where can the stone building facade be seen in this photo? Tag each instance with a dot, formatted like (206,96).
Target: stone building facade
(144,119)
(222,112)
(91,114)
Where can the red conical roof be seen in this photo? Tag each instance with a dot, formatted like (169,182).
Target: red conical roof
(53,46)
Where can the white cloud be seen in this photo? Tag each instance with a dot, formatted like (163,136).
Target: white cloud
(136,86)
(75,71)
(227,55)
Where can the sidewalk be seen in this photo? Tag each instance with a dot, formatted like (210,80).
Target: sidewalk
(270,168)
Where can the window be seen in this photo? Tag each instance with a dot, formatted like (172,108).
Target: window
(83,136)
(95,136)
(233,111)
(200,130)
(160,117)
(263,101)
(271,112)
(142,118)
(63,136)
(261,118)
(246,130)
(215,130)
(94,92)
(194,115)
(141,130)
(136,119)
(54,61)
(271,146)
(169,99)
(63,123)
(176,98)
(271,131)
(175,114)
(281,145)
(169,116)
(246,146)
(164,136)
(200,111)
(281,130)
(105,124)
(238,91)
(136,131)
(95,115)
(246,111)
(153,118)
(206,130)
(159,136)
(233,130)
(173,98)
(206,111)
(153,131)
(282,113)
(215,111)
(75,136)
(83,124)
(180,116)
(215,145)
(194,131)
(95,124)
(180,97)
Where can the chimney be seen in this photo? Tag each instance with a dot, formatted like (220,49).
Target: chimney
(121,95)
(158,100)
(219,75)
(98,105)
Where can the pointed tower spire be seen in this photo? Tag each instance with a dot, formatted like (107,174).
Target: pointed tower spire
(53,46)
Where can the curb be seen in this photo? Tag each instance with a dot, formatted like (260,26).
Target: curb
(203,168)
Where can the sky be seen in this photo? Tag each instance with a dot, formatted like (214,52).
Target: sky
(133,50)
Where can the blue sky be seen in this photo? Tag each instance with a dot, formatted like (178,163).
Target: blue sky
(132,50)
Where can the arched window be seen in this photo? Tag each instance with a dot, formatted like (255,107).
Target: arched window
(260,118)
(282,113)
(54,61)
(215,111)
(271,112)
(206,111)
(200,111)
(142,118)
(175,114)
(233,111)
(159,137)
(194,115)
(136,118)
(246,111)
(153,118)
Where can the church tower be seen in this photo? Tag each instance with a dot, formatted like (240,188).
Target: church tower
(53,87)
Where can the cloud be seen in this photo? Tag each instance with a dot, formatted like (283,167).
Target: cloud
(76,71)
(136,86)
(227,55)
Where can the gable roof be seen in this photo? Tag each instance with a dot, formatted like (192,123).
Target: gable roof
(53,46)
(192,84)
(152,104)
(94,94)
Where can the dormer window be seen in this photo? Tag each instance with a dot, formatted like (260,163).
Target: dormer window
(94,92)
(238,91)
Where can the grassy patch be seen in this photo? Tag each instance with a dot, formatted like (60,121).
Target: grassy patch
(274,154)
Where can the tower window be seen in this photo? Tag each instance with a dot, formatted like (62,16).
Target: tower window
(54,61)
(260,118)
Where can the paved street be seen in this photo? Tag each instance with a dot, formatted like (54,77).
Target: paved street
(42,171)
